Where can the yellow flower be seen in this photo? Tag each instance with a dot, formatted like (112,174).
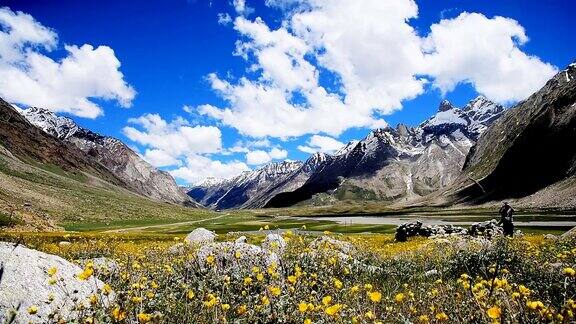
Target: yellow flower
(210,259)
(32,310)
(523,290)
(118,314)
(337,284)
(423,319)
(368,287)
(302,307)
(494,312)
(275,291)
(260,277)
(144,318)
(190,294)
(241,310)
(265,300)
(210,301)
(399,298)
(52,271)
(51,281)
(225,307)
(370,315)
(375,296)
(534,304)
(247,281)
(333,310)
(307,321)
(87,272)
(442,316)
(292,279)
(569,272)
(106,289)
(355,289)
(266,227)
(326,300)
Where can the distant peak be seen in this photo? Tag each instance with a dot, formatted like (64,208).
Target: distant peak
(445,105)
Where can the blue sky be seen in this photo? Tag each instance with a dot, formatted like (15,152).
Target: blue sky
(169,49)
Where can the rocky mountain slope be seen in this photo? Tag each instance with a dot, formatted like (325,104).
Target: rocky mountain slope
(529,153)
(252,189)
(389,164)
(114,155)
(19,139)
(401,163)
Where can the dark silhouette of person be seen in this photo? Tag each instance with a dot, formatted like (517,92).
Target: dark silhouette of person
(507,219)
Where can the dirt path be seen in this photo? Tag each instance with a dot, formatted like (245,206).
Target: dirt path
(141,228)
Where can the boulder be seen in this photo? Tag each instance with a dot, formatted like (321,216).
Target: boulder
(229,257)
(241,239)
(487,228)
(327,242)
(275,243)
(177,248)
(406,230)
(25,285)
(102,265)
(569,235)
(200,236)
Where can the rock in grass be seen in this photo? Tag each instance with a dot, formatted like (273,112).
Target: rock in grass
(275,243)
(241,239)
(227,257)
(200,236)
(326,242)
(39,287)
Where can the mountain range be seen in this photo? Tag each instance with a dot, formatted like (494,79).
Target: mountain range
(138,175)
(390,164)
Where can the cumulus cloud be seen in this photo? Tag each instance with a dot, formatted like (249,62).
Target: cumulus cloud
(199,167)
(318,143)
(375,57)
(67,85)
(175,139)
(241,7)
(258,157)
(160,158)
(485,53)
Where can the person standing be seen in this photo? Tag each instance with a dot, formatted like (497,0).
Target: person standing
(507,219)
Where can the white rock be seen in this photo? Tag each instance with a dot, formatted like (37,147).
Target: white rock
(241,239)
(177,248)
(274,242)
(200,236)
(430,273)
(24,283)
(102,265)
(231,256)
(64,243)
(330,243)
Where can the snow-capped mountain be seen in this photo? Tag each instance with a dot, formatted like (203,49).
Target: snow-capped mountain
(122,161)
(401,163)
(389,164)
(249,189)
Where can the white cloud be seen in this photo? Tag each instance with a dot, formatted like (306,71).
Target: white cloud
(485,53)
(30,78)
(160,158)
(318,143)
(375,56)
(199,167)
(241,7)
(258,157)
(224,18)
(278,154)
(175,139)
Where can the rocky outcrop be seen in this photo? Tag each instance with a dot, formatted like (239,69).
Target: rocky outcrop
(40,288)
(527,150)
(232,257)
(117,157)
(200,236)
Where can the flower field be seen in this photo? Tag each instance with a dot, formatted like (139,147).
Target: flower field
(528,279)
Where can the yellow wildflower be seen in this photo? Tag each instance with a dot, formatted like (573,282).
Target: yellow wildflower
(494,312)
(210,259)
(423,319)
(399,298)
(333,310)
(326,300)
(32,310)
(190,294)
(569,272)
(144,318)
(247,281)
(106,289)
(337,284)
(118,314)
(52,271)
(375,296)
(302,307)
(275,291)
(442,316)
(225,307)
(241,310)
